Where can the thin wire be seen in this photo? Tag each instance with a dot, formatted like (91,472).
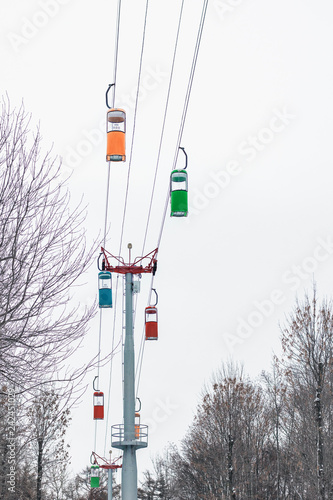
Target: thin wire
(106,215)
(186,102)
(106,205)
(187,97)
(123,326)
(116,53)
(142,346)
(163,125)
(99,344)
(189,87)
(111,364)
(134,124)
(98,363)
(116,50)
(164,217)
(100,312)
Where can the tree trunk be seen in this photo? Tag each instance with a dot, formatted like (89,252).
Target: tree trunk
(4,470)
(319,420)
(39,469)
(277,444)
(232,494)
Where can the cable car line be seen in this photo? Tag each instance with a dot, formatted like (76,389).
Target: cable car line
(107,194)
(99,346)
(142,343)
(98,367)
(111,365)
(150,310)
(116,54)
(139,362)
(181,129)
(163,124)
(186,102)
(134,124)
(98,265)
(188,93)
(189,87)
(106,207)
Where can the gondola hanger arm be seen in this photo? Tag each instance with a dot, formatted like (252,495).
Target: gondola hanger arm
(137,411)
(154,290)
(96,390)
(107,94)
(186,157)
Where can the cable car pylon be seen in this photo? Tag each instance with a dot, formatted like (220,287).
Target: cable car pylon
(131,435)
(104,464)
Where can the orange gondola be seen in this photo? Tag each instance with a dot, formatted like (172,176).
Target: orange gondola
(116,130)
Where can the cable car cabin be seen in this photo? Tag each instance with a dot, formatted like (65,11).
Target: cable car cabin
(116,128)
(178,193)
(98,406)
(94,476)
(137,426)
(151,323)
(105,289)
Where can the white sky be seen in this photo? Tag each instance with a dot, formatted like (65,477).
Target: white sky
(258,136)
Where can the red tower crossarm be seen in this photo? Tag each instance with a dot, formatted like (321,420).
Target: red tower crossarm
(106,464)
(135,267)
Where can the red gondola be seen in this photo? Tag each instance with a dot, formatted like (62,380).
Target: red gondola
(151,323)
(98,406)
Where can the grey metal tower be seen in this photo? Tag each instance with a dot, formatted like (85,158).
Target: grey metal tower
(129,436)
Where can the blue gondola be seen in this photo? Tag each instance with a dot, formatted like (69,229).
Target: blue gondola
(105,289)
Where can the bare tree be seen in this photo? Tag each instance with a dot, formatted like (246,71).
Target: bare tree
(276,389)
(307,341)
(42,255)
(48,419)
(222,455)
(263,441)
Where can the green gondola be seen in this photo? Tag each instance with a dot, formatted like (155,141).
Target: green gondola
(179,193)
(94,478)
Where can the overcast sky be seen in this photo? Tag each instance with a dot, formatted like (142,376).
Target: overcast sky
(258,135)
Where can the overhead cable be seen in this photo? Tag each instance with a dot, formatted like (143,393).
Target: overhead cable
(134,124)
(163,125)
(186,102)
(116,50)
(116,53)
(180,133)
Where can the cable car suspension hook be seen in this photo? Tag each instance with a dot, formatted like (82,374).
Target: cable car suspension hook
(106,94)
(186,158)
(99,266)
(96,390)
(137,411)
(153,289)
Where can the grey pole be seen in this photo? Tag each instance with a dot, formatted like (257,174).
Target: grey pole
(129,468)
(109,484)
